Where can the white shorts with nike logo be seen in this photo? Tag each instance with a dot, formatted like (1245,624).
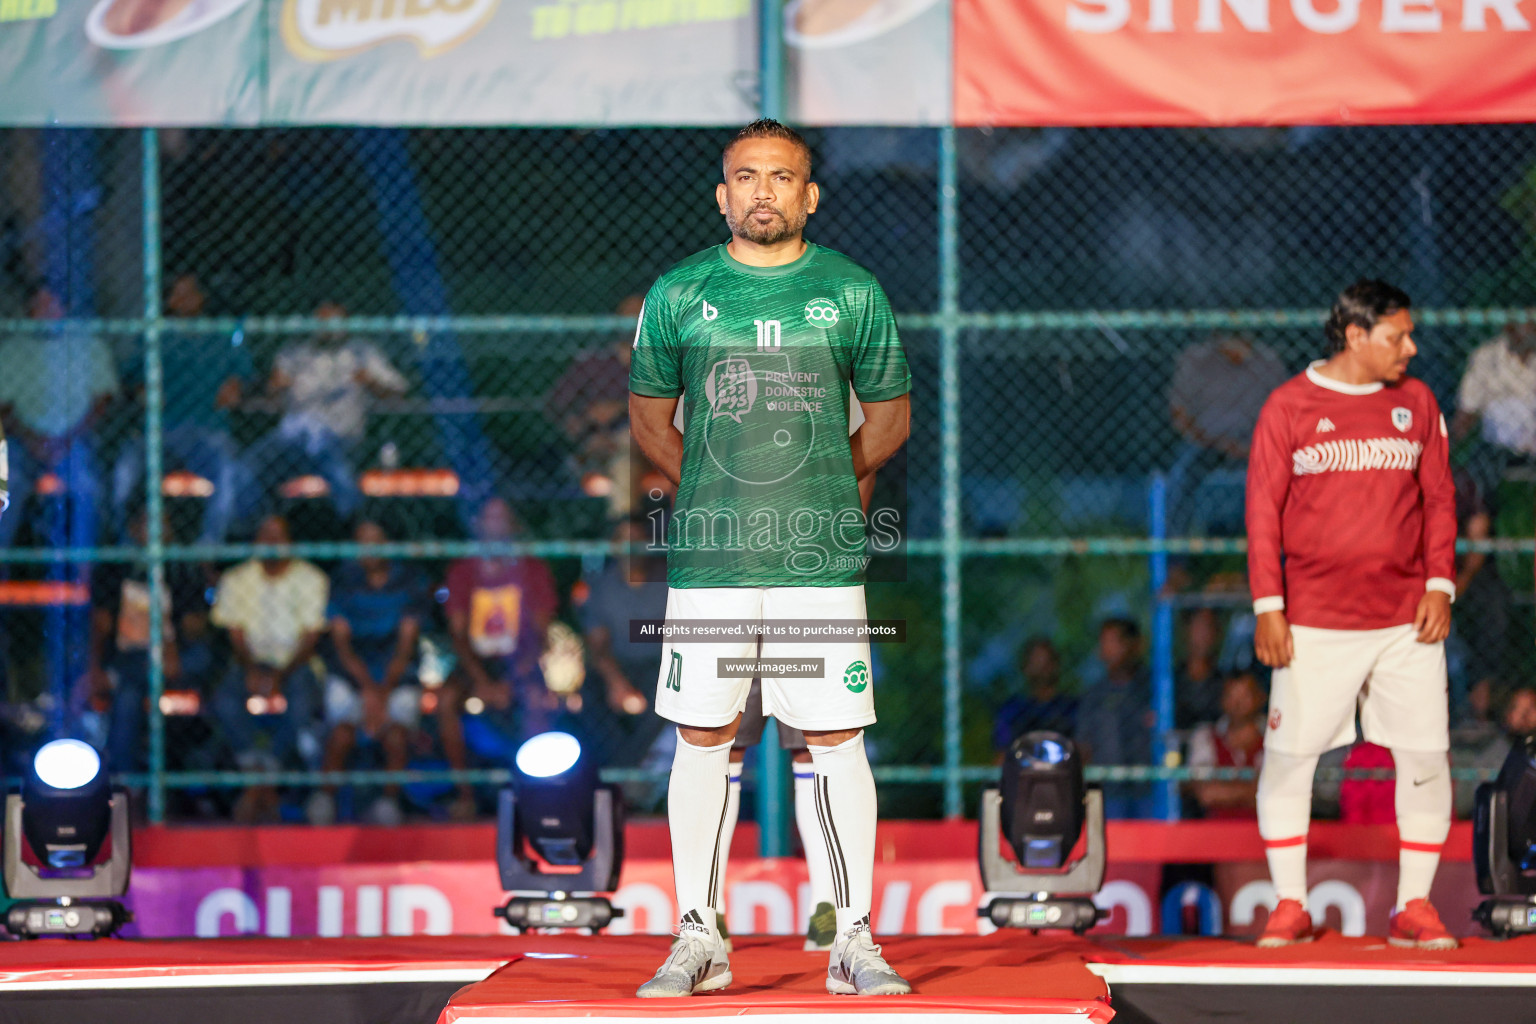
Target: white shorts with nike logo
(1398,685)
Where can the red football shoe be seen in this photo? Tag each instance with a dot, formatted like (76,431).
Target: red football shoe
(1288,923)
(1417,926)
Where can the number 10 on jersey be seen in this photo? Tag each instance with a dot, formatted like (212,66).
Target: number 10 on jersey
(768,335)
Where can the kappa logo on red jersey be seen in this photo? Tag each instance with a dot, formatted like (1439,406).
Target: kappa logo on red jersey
(1325,426)
(1274,720)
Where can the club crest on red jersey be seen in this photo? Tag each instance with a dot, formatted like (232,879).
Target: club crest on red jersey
(1402,418)
(1274,720)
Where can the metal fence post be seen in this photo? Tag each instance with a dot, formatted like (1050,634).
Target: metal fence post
(770,59)
(154,400)
(772,786)
(949,428)
(1164,745)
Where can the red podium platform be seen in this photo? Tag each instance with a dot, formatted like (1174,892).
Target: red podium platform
(958,979)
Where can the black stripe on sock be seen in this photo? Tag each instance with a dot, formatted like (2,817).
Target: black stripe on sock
(842,861)
(714,864)
(826,837)
(834,845)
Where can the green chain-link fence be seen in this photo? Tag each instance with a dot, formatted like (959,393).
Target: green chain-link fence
(395,326)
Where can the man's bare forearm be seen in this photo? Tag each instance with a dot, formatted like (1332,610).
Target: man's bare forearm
(650,422)
(885,429)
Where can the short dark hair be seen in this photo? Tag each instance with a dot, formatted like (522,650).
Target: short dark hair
(1127,628)
(768,128)
(1362,304)
(1036,643)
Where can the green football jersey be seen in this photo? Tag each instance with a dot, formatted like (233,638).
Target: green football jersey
(763,358)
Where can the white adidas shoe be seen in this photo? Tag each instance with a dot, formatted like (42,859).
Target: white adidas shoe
(698,962)
(857,968)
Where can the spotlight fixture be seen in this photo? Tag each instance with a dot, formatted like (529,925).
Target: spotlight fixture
(67,839)
(1042,810)
(559,838)
(1504,844)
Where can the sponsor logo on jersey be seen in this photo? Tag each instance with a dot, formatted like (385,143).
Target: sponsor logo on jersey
(709,312)
(731,388)
(821,313)
(319,30)
(1402,418)
(1325,426)
(857,677)
(1353,456)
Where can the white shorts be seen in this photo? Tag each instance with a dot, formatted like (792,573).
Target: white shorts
(1398,684)
(691,691)
(344,704)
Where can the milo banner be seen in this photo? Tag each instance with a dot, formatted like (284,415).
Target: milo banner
(462,62)
(105,62)
(523,62)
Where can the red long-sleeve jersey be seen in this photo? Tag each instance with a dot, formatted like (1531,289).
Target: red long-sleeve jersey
(1351,509)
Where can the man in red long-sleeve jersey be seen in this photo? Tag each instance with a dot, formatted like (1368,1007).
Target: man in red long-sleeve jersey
(1351,558)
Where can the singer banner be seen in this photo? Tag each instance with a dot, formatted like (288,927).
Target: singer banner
(1231,62)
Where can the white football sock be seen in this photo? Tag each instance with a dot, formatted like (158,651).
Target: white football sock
(1423,798)
(698,797)
(816,863)
(732,812)
(846,812)
(1285,813)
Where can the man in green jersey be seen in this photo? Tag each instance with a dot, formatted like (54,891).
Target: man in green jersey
(760,340)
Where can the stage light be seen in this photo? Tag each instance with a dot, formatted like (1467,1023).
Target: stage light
(68,804)
(1504,844)
(1041,810)
(66,839)
(559,838)
(555,787)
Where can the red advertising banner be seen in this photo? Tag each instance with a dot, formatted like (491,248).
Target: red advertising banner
(1228,62)
(441,880)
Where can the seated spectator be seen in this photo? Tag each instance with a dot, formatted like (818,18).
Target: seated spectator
(1197,682)
(116,683)
(1115,719)
(1042,705)
(205,376)
(1498,392)
(1235,740)
(1218,388)
(328,382)
(274,611)
(590,401)
(631,586)
(1517,722)
(499,611)
(54,388)
(376,611)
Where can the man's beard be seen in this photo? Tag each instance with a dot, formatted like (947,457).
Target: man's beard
(771,233)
